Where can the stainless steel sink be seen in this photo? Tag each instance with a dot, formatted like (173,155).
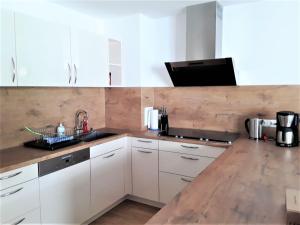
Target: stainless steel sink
(95,135)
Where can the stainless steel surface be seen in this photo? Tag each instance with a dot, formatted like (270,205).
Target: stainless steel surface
(75,74)
(193,147)
(186,180)
(255,128)
(143,151)
(79,116)
(144,141)
(11,193)
(189,158)
(19,221)
(285,120)
(14,69)
(111,155)
(70,73)
(10,176)
(285,137)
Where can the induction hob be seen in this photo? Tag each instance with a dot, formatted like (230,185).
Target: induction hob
(202,135)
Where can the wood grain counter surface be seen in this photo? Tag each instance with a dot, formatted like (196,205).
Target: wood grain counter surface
(245,185)
(20,156)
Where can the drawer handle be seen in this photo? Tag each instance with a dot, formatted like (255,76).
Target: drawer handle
(185,180)
(144,151)
(144,141)
(11,193)
(10,176)
(190,158)
(192,147)
(20,221)
(111,155)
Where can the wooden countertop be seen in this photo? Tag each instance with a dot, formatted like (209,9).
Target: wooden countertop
(20,156)
(245,185)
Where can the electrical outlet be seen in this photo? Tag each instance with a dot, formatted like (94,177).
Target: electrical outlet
(269,123)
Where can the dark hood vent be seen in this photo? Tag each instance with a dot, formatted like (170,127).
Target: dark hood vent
(210,72)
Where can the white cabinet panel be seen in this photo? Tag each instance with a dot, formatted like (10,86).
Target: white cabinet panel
(170,185)
(145,173)
(43,52)
(69,202)
(183,164)
(18,176)
(144,143)
(32,217)
(89,59)
(193,149)
(107,180)
(19,199)
(104,148)
(8,76)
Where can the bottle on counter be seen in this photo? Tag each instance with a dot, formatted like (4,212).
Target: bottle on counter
(61,130)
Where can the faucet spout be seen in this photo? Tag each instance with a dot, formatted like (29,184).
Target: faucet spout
(79,117)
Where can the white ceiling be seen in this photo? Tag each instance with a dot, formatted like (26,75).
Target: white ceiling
(104,8)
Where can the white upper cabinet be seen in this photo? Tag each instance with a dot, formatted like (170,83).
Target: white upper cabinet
(43,52)
(89,59)
(8,76)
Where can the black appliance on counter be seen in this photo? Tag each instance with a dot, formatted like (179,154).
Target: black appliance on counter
(287,129)
(202,135)
(209,72)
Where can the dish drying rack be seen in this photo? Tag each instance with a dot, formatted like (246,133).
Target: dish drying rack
(49,134)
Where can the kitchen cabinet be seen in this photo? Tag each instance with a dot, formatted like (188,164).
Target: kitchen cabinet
(8,73)
(65,194)
(89,53)
(31,217)
(145,173)
(115,62)
(43,52)
(107,180)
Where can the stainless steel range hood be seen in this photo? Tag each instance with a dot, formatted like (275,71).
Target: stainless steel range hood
(212,72)
(203,46)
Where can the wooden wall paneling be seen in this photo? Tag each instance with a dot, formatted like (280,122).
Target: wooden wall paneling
(39,107)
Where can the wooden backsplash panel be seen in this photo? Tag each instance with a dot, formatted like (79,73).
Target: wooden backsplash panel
(123,108)
(225,108)
(38,107)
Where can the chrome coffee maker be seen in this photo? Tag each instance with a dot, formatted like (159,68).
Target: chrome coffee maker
(287,129)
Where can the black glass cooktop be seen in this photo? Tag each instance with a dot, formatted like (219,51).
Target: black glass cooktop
(205,135)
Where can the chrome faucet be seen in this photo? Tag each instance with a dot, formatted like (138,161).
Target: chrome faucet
(79,117)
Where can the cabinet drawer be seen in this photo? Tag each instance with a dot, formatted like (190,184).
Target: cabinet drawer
(145,173)
(193,149)
(144,143)
(107,147)
(170,185)
(18,200)
(14,177)
(183,164)
(32,217)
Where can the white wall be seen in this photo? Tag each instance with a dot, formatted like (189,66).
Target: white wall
(53,12)
(263,38)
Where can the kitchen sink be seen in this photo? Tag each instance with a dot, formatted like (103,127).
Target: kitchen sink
(95,135)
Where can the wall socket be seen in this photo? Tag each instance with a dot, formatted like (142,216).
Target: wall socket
(269,123)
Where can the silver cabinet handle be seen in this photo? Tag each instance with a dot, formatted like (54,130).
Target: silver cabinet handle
(186,146)
(75,74)
(70,73)
(185,180)
(144,151)
(111,155)
(144,141)
(190,158)
(11,193)
(14,69)
(10,176)
(20,221)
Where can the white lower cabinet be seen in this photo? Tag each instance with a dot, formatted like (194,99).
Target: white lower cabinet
(65,195)
(19,199)
(107,180)
(145,173)
(170,185)
(32,217)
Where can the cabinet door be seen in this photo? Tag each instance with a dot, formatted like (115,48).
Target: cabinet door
(145,173)
(32,217)
(43,52)
(107,180)
(8,57)
(89,59)
(65,195)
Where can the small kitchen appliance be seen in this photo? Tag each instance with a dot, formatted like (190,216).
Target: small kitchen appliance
(254,128)
(287,134)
